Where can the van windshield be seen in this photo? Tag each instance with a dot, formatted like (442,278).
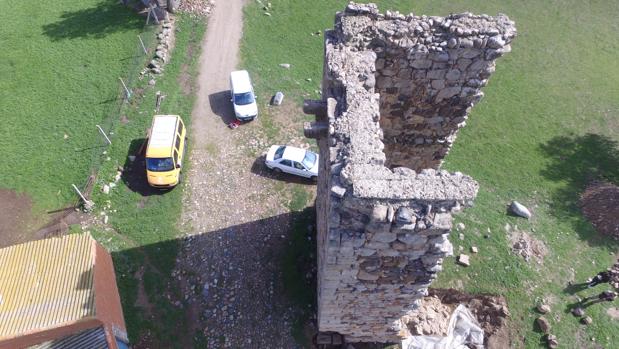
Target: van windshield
(243,98)
(159,164)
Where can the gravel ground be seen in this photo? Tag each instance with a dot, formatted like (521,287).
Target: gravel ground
(236,223)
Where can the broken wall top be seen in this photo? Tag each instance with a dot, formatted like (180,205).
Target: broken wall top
(361,33)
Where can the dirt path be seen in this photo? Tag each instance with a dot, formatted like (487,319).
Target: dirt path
(228,266)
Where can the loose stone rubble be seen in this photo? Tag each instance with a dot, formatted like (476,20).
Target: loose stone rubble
(197,7)
(395,91)
(165,42)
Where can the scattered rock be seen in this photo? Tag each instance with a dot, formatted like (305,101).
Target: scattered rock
(578,311)
(552,341)
(151,82)
(527,247)
(519,210)
(587,320)
(543,324)
(105,189)
(464,260)
(543,308)
(461,236)
(198,7)
(460,226)
(285,65)
(474,249)
(66,136)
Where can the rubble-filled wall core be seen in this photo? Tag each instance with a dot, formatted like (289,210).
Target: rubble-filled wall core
(395,91)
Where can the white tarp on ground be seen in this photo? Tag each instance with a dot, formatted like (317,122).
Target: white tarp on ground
(463,333)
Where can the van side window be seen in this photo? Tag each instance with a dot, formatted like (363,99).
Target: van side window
(175,157)
(178,142)
(180,127)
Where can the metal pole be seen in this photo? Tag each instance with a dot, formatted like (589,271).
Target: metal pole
(104,135)
(143,47)
(155,14)
(88,205)
(79,193)
(126,89)
(148,16)
(158,98)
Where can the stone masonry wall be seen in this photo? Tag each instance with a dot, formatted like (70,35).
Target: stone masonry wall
(383,228)
(429,72)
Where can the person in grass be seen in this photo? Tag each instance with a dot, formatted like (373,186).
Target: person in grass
(601,277)
(606,296)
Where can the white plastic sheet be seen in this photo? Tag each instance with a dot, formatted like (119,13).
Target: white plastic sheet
(463,333)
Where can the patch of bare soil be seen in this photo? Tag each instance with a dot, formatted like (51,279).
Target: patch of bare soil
(142,299)
(491,313)
(15,215)
(432,318)
(600,204)
(613,313)
(60,224)
(527,246)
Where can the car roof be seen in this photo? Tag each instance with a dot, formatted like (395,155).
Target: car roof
(162,135)
(240,81)
(294,154)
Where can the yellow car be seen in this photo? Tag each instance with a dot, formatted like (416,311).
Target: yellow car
(165,151)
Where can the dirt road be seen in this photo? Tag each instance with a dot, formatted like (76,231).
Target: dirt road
(228,266)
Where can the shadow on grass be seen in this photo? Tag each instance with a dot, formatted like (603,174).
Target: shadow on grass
(263,271)
(134,173)
(105,18)
(578,160)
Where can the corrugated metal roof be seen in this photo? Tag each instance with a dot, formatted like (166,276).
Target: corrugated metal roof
(46,283)
(93,338)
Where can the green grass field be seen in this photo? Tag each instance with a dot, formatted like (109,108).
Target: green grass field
(144,221)
(60,65)
(548,124)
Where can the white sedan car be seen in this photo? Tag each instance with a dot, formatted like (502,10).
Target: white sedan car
(296,161)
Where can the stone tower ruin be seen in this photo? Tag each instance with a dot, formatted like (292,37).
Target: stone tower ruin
(395,89)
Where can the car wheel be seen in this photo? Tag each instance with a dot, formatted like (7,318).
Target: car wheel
(277,170)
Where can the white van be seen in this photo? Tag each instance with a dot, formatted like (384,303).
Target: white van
(242,96)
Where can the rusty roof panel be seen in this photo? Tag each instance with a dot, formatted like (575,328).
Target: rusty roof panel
(46,283)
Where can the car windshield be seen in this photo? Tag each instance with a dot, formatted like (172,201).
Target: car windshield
(159,164)
(243,98)
(309,160)
(279,153)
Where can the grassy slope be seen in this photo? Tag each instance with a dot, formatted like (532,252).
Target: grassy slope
(526,140)
(60,64)
(146,226)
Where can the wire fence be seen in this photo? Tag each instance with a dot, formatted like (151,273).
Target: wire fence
(120,100)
